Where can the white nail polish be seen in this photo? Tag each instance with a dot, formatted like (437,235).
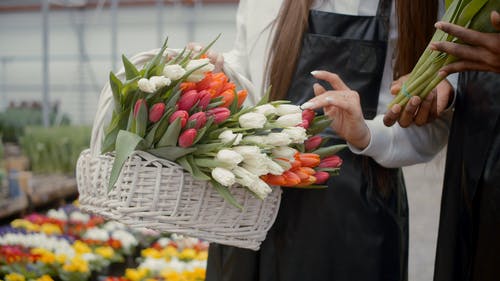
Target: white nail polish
(329,100)
(314,72)
(307,105)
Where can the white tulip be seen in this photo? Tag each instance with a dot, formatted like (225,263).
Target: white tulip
(223,176)
(284,152)
(285,164)
(126,238)
(174,72)
(57,214)
(146,86)
(252,182)
(155,265)
(159,81)
(266,109)
(296,134)
(273,167)
(254,139)
(229,157)
(248,151)
(228,136)
(261,188)
(289,120)
(80,217)
(198,75)
(286,109)
(277,139)
(252,120)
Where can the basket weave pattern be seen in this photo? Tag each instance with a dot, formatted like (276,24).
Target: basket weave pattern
(158,194)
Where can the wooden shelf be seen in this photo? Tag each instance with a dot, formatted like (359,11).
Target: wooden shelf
(12,206)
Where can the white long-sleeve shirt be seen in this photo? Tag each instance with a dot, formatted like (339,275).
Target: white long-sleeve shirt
(389,146)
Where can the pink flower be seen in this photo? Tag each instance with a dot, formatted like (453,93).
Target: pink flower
(331,162)
(313,142)
(321,177)
(156,112)
(184,115)
(137,106)
(187,138)
(308,114)
(304,124)
(188,100)
(205,99)
(220,114)
(199,119)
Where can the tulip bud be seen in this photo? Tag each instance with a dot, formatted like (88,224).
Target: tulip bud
(160,81)
(305,124)
(174,71)
(229,157)
(289,120)
(252,120)
(187,138)
(321,177)
(156,112)
(228,136)
(223,176)
(308,114)
(242,95)
(333,161)
(227,98)
(138,104)
(184,115)
(146,86)
(266,109)
(220,114)
(199,119)
(188,100)
(285,109)
(204,99)
(313,143)
(295,134)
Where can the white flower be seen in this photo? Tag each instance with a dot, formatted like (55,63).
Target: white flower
(286,109)
(194,264)
(248,151)
(252,182)
(256,164)
(159,82)
(163,242)
(126,238)
(261,188)
(146,86)
(229,157)
(277,139)
(173,72)
(155,265)
(223,176)
(113,225)
(273,167)
(289,120)
(175,265)
(57,214)
(89,257)
(187,243)
(296,134)
(254,139)
(78,216)
(266,109)
(198,75)
(285,164)
(284,152)
(252,120)
(228,136)
(96,234)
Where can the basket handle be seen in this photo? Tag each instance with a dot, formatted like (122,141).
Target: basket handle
(106,97)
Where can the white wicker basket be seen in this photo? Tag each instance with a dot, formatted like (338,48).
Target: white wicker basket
(158,194)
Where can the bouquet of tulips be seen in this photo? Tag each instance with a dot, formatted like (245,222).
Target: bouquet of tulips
(474,14)
(177,109)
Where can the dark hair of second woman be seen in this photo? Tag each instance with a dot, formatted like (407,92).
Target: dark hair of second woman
(415,25)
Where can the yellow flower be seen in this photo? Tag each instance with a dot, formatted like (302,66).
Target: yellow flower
(44,278)
(171,275)
(202,256)
(170,251)
(187,254)
(151,253)
(46,256)
(76,264)
(61,258)
(136,274)
(105,252)
(14,277)
(20,223)
(81,248)
(50,228)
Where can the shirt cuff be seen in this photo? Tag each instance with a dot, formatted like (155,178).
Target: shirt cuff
(453,80)
(380,138)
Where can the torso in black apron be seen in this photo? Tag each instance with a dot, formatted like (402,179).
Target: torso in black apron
(349,231)
(469,229)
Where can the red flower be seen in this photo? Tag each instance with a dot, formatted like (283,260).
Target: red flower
(137,106)
(187,138)
(321,177)
(184,115)
(188,100)
(308,115)
(305,124)
(331,162)
(312,143)
(199,119)
(220,114)
(205,99)
(156,112)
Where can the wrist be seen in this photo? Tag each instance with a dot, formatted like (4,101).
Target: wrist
(362,140)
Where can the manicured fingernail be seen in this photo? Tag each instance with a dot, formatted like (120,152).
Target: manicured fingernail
(438,25)
(307,105)
(329,100)
(314,72)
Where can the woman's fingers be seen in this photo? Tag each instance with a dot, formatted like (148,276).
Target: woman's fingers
(408,114)
(331,78)
(318,89)
(424,111)
(392,115)
(341,99)
(469,36)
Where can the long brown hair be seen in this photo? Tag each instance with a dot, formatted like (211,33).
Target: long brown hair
(415,25)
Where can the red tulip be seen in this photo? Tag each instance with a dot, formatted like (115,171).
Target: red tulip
(184,115)
(220,114)
(187,138)
(331,162)
(156,112)
(321,177)
(138,104)
(199,118)
(308,115)
(304,124)
(313,142)
(205,99)
(188,100)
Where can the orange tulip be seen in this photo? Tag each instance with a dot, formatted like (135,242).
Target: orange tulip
(296,164)
(302,174)
(291,178)
(242,95)
(188,86)
(309,159)
(310,181)
(274,179)
(227,98)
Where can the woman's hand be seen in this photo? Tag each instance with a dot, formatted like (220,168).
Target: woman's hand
(416,111)
(342,106)
(215,58)
(481,51)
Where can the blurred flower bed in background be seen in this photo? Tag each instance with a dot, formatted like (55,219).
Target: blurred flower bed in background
(68,245)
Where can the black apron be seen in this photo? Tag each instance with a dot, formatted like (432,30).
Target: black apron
(357,228)
(469,229)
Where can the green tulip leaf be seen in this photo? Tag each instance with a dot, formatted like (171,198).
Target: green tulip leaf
(171,135)
(126,144)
